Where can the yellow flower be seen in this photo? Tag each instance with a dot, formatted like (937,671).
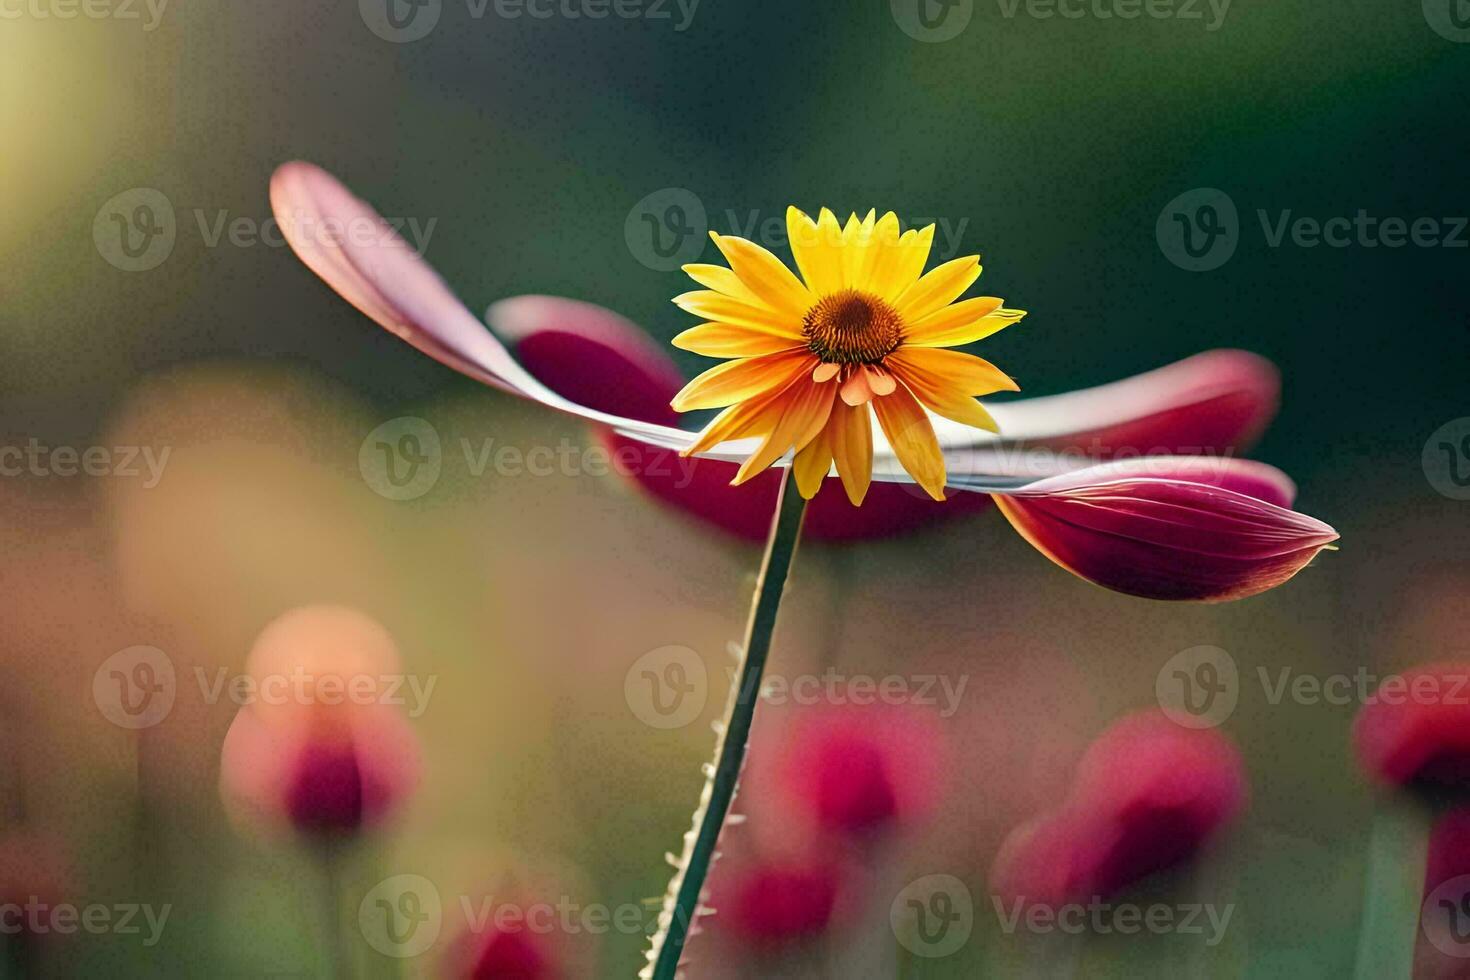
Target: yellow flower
(863,325)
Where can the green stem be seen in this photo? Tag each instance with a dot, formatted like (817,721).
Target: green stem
(681,905)
(1394,888)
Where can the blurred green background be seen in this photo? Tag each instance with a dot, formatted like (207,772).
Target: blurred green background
(1053,143)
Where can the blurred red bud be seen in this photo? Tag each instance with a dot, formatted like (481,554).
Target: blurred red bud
(1415,729)
(1148,795)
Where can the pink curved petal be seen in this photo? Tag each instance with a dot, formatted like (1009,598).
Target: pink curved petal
(1214,403)
(1205,530)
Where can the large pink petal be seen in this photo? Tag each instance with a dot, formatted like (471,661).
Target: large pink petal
(1202,529)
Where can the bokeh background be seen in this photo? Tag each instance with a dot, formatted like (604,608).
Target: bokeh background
(1051,145)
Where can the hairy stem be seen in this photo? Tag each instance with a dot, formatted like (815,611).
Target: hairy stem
(681,904)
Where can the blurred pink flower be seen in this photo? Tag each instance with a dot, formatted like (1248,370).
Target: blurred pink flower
(504,954)
(318,751)
(769,902)
(862,771)
(1148,795)
(1415,729)
(1207,528)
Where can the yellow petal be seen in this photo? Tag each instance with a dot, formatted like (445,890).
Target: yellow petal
(904,264)
(851,432)
(806,407)
(912,436)
(765,275)
(857,235)
(826,372)
(880,382)
(813,463)
(736,381)
(945,401)
(750,418)
(938,288)
(855,390)
(959,323)
(880,249)
(816,245)
(719,308)
(951,370)
(724,340)
(723,280)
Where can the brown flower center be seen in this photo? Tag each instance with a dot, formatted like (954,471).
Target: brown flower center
(849,327)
